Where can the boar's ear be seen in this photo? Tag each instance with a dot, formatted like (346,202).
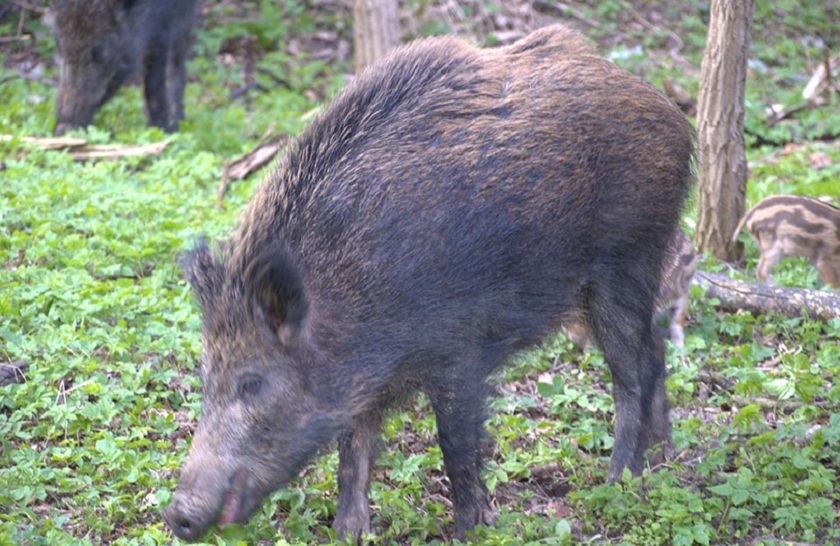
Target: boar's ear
(204,272)
(276,292)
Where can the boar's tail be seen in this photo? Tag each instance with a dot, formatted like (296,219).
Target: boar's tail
(740,226)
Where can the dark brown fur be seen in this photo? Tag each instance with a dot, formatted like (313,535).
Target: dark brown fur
(671,298)
(450,207)
(105,43)
(795,225)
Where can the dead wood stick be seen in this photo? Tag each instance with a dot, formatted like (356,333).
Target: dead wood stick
(50,143)
(820,79)
(117,151)
(261,155)
(247,163)
(81,151)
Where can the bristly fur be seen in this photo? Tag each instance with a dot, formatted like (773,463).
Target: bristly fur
(451,206)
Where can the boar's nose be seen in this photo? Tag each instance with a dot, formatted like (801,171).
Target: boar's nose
(182,524)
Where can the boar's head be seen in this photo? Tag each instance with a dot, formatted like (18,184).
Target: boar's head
(98,52)
(263,415)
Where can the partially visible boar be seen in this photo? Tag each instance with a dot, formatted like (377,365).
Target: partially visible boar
(452,206)
(671,298)
(795,225)
(104,43)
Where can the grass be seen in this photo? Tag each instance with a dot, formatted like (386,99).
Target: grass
(93,302)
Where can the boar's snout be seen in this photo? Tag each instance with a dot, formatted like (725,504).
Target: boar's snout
(183,525)
(209,494)
(71,111)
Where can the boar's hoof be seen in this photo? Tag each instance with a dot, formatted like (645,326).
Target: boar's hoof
(62,128)
(353,524)
(660,453)
(486,515)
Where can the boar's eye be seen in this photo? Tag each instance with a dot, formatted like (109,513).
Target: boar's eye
(249,385)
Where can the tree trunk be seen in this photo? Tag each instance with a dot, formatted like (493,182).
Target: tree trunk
(761,299)
(376,29)
(721,159)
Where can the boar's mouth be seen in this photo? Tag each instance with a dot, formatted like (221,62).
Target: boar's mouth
(189,522)
(233,509)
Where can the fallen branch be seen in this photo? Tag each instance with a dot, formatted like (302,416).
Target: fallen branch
(117,151)
(820,81)
(264,151)
(31,7)
(778,112)
(12,39)
(81,151)
(31,77)
(256,158)
(50,143)
(761,298)
(821,78)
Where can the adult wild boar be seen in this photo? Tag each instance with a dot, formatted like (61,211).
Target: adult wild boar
(451,206)
(104,43)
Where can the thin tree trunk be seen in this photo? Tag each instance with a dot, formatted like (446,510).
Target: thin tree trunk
(376,29)
(721,159)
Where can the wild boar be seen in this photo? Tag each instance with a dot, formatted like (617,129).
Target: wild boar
(102,44)
(795,225)
(451,206)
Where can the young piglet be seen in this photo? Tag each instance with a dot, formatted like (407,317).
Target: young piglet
(795,225)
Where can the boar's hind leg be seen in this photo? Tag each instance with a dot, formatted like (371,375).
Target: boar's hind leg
(459,407)
(636,357)
(356,456)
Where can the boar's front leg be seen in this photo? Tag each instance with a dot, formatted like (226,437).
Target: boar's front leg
(458,400)
(154,86)
(356,456)
(771,255)
(176,77)
(829,267)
